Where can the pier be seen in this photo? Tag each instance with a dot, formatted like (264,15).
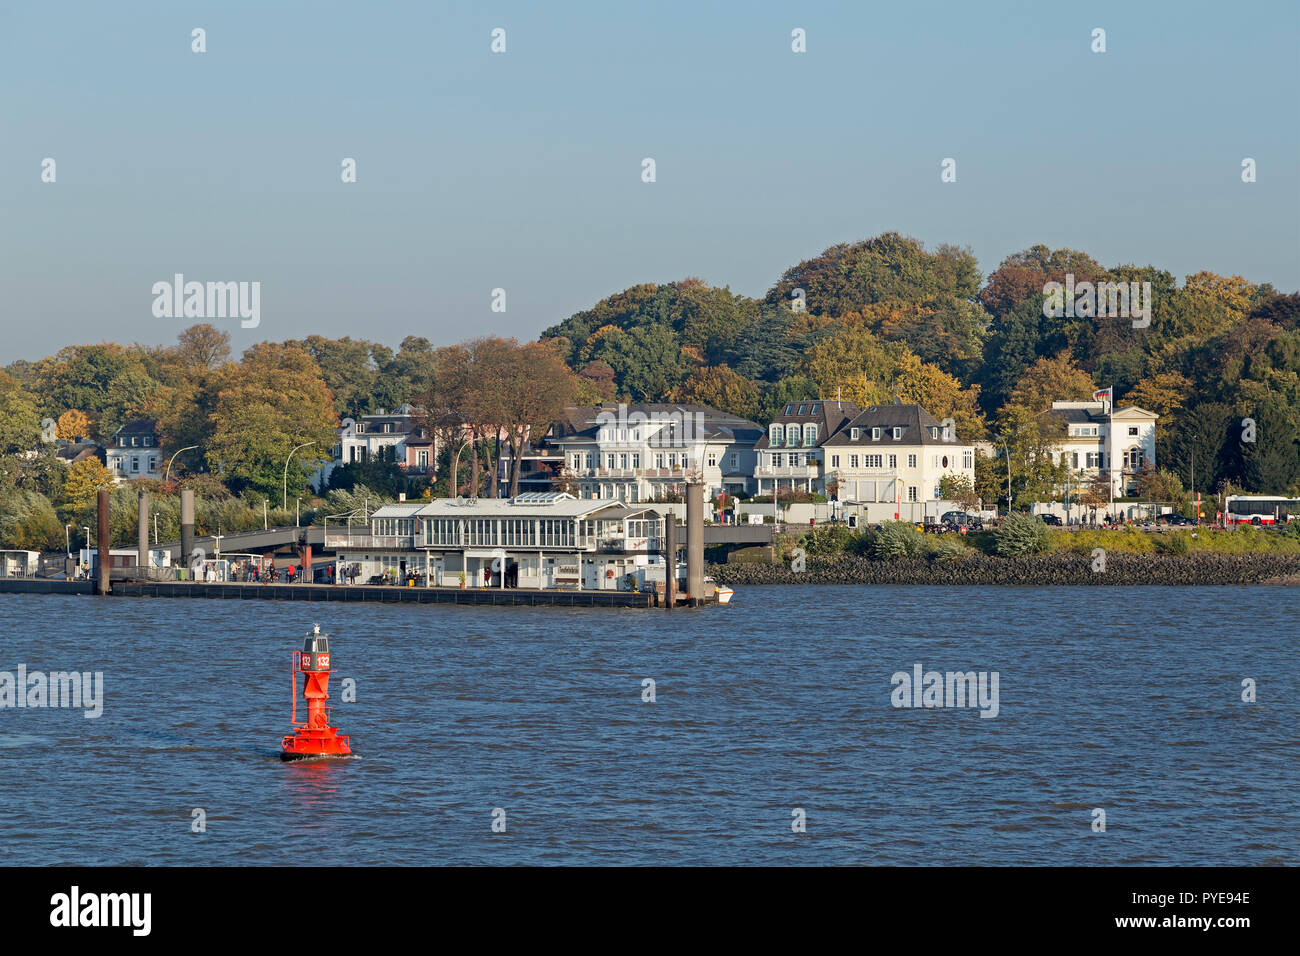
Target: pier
(364,593)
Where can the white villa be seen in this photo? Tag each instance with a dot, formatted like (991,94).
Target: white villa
(1100,440)
(890,459)
(644,452)
(134,451)
(535,540)
(791,454)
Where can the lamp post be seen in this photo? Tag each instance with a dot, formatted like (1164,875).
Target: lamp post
(167,474)
(67,538)
(285,502)
(297,511)
(1003,442)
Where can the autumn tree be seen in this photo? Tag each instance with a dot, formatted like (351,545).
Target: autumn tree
(273,400)
(85,480)
(721,388)
(73,425)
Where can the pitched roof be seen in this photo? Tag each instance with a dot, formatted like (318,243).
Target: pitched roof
(919,427)
(827,416)
(700,421)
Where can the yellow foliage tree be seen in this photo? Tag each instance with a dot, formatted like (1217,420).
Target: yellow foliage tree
(73,424)
(85,479)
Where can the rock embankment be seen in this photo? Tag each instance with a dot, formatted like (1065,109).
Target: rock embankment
(978,569)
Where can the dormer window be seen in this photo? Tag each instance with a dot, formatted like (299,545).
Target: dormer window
(361,427)
(774,436)
(801,409)
(898,433)
(854,433)
(816,409)
(875,434)
(789,409)
(810,435)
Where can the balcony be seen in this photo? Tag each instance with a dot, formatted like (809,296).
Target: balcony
(810,470)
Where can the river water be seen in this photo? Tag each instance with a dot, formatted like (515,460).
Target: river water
(1127,700)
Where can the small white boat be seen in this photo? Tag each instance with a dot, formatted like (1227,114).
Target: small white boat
(724,593)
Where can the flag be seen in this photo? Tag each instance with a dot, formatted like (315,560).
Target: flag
(1103,395)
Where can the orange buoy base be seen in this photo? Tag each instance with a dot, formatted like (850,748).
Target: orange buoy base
(307,744)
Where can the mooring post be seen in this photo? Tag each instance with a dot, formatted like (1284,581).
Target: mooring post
(187,527)
(101,504)
(670,560)
(695,542)
(142,537)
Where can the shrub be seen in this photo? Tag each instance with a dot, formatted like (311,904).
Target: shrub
(896,539)
(947,547)
(1180,542)
(1021,534)
(828,539)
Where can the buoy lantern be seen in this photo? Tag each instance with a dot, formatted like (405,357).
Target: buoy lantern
(315,737)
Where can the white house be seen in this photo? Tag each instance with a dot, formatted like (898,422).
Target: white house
(399,436)
(791,453)
(889,461)
(646,452)
(134,451)
(1101,440)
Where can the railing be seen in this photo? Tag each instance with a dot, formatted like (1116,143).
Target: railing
(787,471)
(364,539)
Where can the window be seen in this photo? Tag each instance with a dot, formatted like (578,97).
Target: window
(388,428)
(153,464)
(968,459)
(659,461)
(1074,460)
(872,461)
(1090,460)
(792,436)
(853,461)
(135,464)
(713,459)
(944,462)
(898,433)
(422,459)
(835,461)
(801,409)
(853,434)
(636,459)
(810,435)
(733,461)
(777,459)
(774,435)
(911,493)
(622,460)
(911,461)
(875,434)
(1132,430)
(893,461)
(591,460)
(609,461)
(816,409)
(789,409)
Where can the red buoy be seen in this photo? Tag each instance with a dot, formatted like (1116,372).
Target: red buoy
(315,737)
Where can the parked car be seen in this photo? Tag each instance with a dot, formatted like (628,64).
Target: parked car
(955,520)
(1051,519)
(1173,518)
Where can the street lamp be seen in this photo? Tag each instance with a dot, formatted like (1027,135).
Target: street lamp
(67,538)
(285,503)
(173,458)
(1003,442)
(297,511)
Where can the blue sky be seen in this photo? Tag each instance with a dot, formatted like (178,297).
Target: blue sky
(522,170)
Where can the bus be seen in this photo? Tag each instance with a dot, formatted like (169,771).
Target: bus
(1260,509)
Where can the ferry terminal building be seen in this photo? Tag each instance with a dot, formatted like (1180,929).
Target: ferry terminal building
(535,540)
